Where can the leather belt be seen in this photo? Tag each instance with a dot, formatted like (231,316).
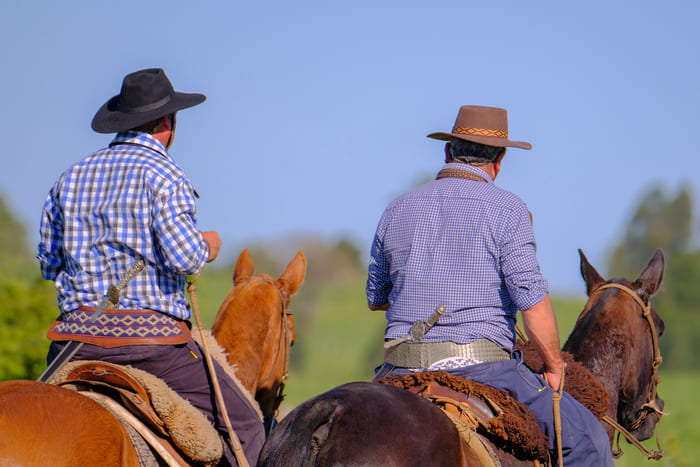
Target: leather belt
(424,354)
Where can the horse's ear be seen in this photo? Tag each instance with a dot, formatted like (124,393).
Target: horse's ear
(589,273)
(292,278)
(649,280)
(244,267)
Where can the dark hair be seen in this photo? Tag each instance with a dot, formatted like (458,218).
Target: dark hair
(472,153)
(152,126)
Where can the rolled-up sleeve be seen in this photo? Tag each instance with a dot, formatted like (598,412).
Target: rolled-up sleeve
(178,239)
(51,238)
(521,271)
(378,278)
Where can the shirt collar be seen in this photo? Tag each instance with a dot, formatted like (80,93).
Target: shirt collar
(139,138)
(469,168)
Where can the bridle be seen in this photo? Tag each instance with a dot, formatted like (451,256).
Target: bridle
(283,351)
(651,405)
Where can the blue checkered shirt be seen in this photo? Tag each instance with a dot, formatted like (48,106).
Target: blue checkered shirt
(124,202)
(464,244)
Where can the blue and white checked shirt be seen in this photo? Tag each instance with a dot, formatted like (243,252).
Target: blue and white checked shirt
(122,203)
(464,244)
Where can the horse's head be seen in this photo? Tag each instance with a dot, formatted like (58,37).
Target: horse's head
(616,337)
(255,327)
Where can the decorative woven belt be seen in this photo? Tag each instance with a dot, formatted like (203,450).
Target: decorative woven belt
(116,328)
(424,354)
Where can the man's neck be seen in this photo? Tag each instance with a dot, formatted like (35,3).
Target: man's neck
(164,137)
(490,169)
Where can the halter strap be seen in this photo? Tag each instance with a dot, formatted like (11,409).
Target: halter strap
(284,346)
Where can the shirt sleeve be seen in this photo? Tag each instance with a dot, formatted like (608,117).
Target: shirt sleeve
(378,278)
(519,265)
(50,253)
(177,238)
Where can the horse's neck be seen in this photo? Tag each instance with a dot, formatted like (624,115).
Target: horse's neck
(601,349)
(220,354)
(608,369)
(244,353)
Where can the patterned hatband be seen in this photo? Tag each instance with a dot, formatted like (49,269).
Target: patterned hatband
(480,132)
(116,328)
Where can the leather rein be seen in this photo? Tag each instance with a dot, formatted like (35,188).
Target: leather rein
(283,351)
(651,405)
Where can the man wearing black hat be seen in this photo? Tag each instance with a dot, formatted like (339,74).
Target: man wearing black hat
(452,262)
(127,202)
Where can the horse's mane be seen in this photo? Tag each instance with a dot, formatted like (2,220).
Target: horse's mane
(218,353)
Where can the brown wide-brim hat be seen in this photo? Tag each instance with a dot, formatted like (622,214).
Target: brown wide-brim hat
(484,125)
(145,96)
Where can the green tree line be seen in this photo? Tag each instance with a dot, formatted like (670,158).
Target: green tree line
(27,303)
(667,221)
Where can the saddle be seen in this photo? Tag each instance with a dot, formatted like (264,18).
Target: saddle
(482,409)
(494,414)
(182,433)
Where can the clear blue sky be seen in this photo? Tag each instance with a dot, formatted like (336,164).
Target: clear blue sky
(317,111)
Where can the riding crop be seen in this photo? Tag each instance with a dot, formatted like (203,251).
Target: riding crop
(233,438)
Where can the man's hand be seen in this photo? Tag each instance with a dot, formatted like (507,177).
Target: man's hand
(383,307)
(211,238)
(553,378)
(541,328)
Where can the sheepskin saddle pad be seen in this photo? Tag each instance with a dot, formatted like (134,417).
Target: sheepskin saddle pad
(578,380)
(492,413)
(162,410)
(497,415)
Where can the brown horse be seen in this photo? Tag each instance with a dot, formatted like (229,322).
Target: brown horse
(366,423)
(260,349)
(42,424)
(616,338)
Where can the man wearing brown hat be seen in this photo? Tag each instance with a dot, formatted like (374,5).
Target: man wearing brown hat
(452,262)
(129,202)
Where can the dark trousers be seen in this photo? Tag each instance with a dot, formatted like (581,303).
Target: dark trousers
(183,368)
(584,440)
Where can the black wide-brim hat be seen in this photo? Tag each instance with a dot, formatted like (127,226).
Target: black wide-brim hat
(145,96)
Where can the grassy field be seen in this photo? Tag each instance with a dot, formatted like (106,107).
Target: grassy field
(340,341)
(679,430)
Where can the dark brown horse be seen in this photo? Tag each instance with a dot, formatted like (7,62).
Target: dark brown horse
(366,423)
(42,424)
(616,338)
